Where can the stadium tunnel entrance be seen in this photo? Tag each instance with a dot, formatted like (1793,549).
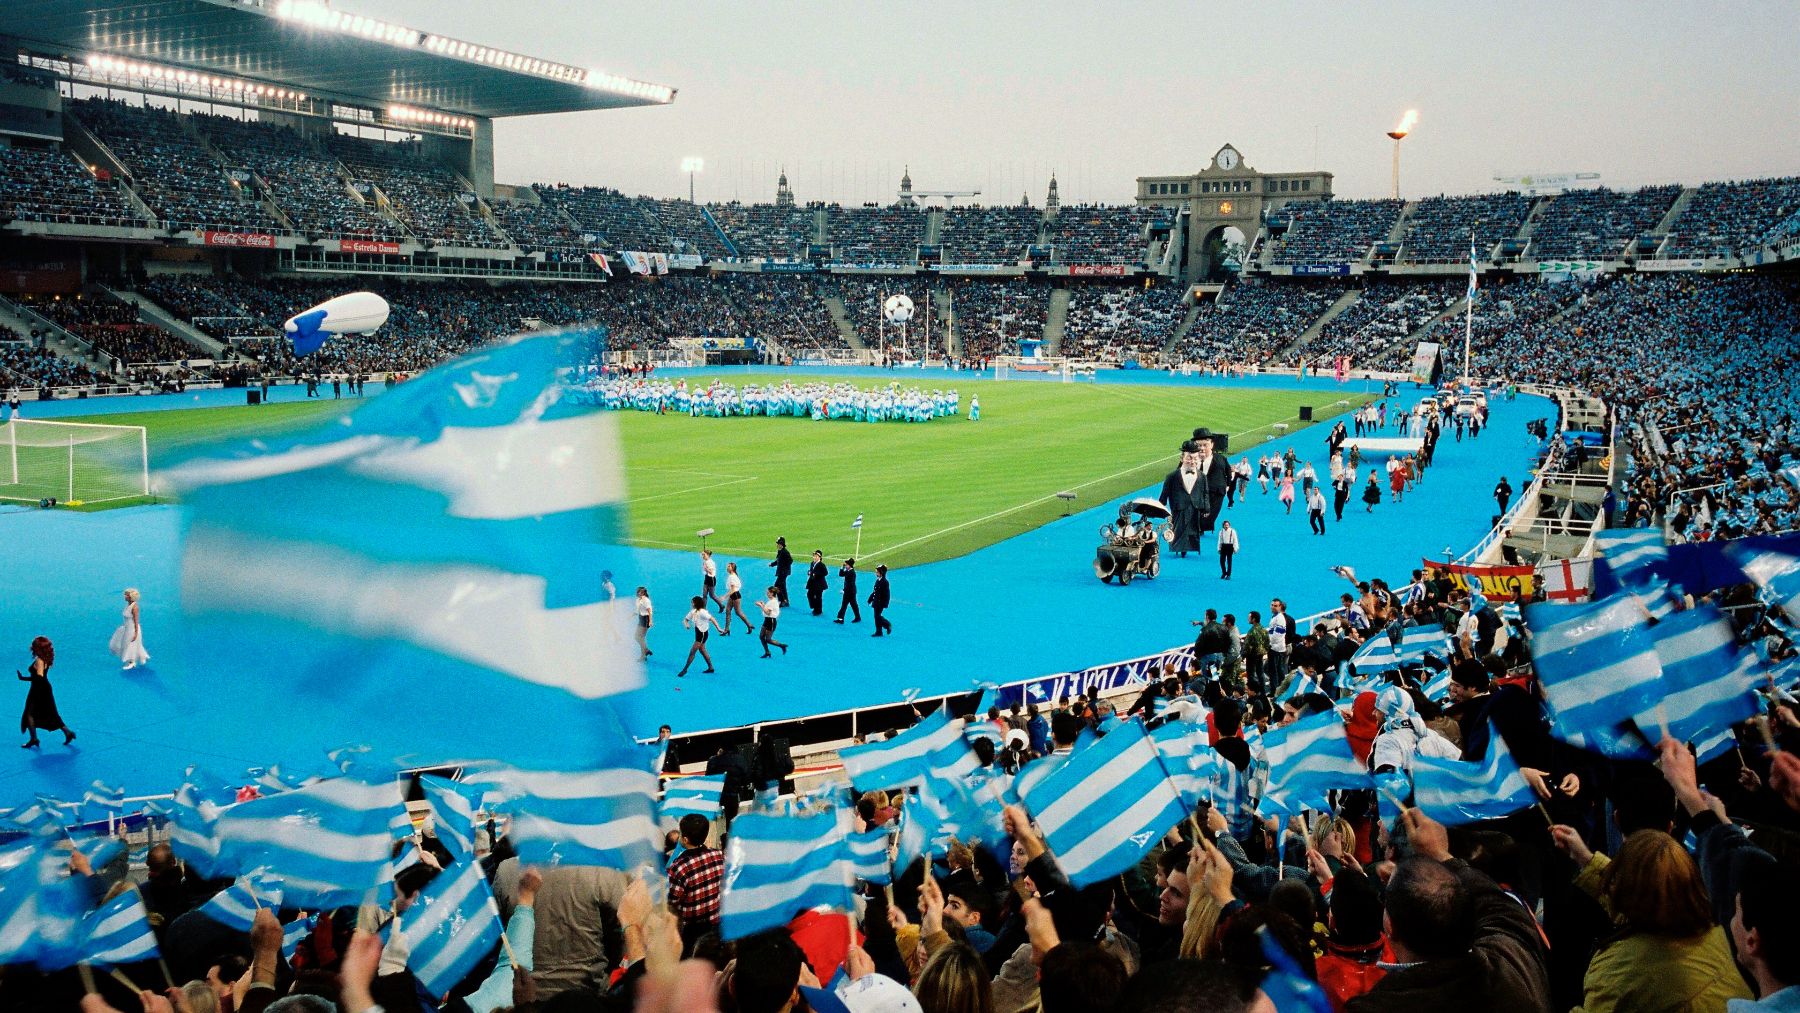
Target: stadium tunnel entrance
(1221,252)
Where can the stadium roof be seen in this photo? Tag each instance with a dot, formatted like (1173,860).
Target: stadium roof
(306,45)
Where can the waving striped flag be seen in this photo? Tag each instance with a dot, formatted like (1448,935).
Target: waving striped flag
(778,866)
(1596,662)
(1380,654)
(118,932)
(857,523)
(294,933)
(605,816)
(1310,757)
(1454,792)
(235,906)
(443,534)
(869,853)
(1635,555)
(1185,756)
(1437,688)
(450,927)
(695,796)
(329,842)
(1708,684)
(1107,806)
(109,800)
(41,910)
(1776,573)
(453,814)
(933,747)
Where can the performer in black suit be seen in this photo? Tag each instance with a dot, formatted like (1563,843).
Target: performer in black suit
(1193,493)
(878,601)
(847,577)
(816,583)
(784,566)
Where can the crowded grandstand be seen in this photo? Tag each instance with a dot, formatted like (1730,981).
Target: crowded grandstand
(1552,769)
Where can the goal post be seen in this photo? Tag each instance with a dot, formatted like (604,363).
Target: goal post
(74,462)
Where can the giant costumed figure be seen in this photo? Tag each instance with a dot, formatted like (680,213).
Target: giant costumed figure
(1194,493)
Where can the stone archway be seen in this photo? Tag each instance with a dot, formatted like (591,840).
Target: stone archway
(1221,252)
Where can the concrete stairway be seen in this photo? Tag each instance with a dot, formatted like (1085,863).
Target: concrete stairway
(940,303)
(834,304)
(57,339)
(1344,302)
(1056,320)
(151,312)
(1181,331)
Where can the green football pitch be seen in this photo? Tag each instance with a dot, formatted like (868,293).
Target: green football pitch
(926,491)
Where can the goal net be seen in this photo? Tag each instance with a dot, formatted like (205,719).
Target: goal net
(74,462)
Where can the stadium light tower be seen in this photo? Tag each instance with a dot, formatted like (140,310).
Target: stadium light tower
(692,165)
(1407,122)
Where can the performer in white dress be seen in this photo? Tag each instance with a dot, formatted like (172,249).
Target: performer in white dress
(128,640)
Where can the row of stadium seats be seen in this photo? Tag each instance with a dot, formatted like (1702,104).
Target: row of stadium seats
(1119,323)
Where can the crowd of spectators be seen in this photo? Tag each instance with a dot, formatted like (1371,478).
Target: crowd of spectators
(171,170)
(49,185)
(1440,228)
(1114,323)
(766,231)
(1253,319)
(306,183)
(1334,231)
(875,235)
(538,227)
(432,202)
(1598,222)
(992,317)
(616,221)
(983,235)
(25,364)
(1384,313)
(863,297)
(689,227)
(1100,234)
(113,328)
(788,309)
(1726,219)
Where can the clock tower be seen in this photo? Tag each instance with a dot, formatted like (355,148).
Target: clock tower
(1228,194)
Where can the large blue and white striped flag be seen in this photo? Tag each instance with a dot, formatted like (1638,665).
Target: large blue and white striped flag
(932,748)
(450,927)
(329,842)
(779,866)
(1107,806)
(869,853)
(118,932)
(1776,573)
(1708,684)
(235,906)
(445,534)
(1596,662)
(1380,654)
(1454,792)
(41,909)
(1474,274)
(693,796)
(1310,757)
(605,816)
(452,813)
(1635,555)
(1185,756)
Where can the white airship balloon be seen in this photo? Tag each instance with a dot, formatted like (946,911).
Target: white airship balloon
(355,313)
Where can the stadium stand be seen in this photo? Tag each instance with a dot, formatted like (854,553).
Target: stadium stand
(876,235)
(1113,323)
(980,235)
(1598,222)
(1334,231)
(993,316)
(431,201)
(171,169)
(540,228)
(1723,219)
(308,185)
(1385,313)
(50,185)
(766,231)
(113,328)
(24,364)
(789,309)
(1442,228)
(689,227)
(619,222)
(1099,234)
(1253,319)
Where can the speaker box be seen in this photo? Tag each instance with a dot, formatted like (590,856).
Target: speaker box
(774,759)
(1306,413)
(253,397)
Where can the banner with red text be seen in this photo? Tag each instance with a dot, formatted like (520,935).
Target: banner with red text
(244,240)
(367,246)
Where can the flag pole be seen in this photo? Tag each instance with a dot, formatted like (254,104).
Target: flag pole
(858,537)
(1469,314)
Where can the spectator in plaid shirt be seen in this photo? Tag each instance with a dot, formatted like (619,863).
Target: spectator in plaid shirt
(694,880)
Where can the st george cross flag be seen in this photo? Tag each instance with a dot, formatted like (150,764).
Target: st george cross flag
(118,932)
(1708,684)
(1454,792)
(778,866)
(933,747)
(1597,662)
(1312,756)
(1107,806)
(604,816)
(443,535)
(329,841)
(450,927)
(693,796)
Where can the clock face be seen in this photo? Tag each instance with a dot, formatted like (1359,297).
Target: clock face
(1227,159)
(1224,207)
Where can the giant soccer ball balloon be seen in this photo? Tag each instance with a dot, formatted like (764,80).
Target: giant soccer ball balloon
(898,309)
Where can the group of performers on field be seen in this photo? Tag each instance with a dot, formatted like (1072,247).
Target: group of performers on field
(817,401)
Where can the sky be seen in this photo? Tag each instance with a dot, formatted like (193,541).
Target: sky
(993,96)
